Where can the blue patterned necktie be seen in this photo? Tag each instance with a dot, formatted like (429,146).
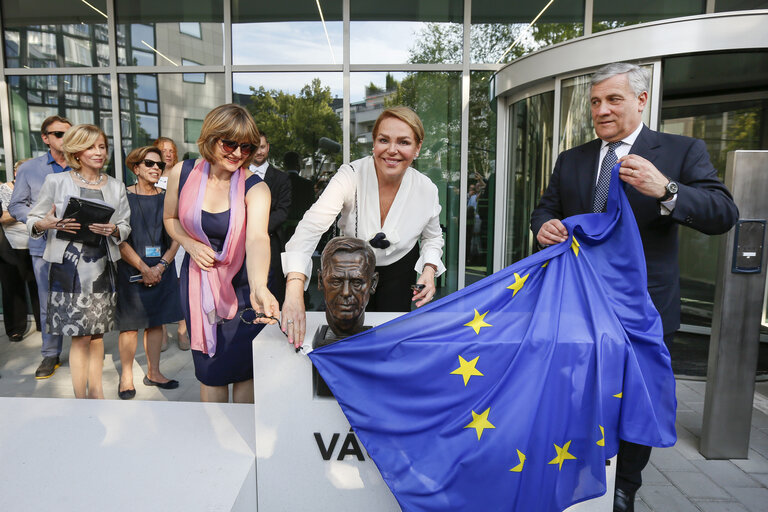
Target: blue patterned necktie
(604,180)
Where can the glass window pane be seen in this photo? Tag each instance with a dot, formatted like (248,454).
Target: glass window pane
(55,33)
(501,32)
(481,181)
(153,33)
(575,115)
(608,14)
(436,98)
(531,129)
(739,5)
(154,105)
(406,31)
(79,98)
(294,32)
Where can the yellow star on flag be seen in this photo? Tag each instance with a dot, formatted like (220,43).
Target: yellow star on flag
(575,246)
(618,395)
(519,467)
(467,369)
(480,422)
(518,284)
(601,442)
(562,455)
(545,264)
(477,323)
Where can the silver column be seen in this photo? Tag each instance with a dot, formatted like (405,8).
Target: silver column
(738,308)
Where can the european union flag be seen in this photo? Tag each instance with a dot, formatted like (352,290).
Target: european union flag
(511,393)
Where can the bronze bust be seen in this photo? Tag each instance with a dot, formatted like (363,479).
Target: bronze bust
(347,278)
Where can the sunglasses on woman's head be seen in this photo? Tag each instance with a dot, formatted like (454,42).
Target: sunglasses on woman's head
(150,163)
(230,145)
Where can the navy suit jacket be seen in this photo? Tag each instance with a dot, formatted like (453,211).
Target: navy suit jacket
(703,203)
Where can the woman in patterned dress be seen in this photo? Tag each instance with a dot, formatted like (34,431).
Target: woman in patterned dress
(82,296)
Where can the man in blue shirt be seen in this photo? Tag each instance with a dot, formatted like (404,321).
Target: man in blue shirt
(29,179)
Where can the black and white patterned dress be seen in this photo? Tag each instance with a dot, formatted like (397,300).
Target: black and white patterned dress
(82,294)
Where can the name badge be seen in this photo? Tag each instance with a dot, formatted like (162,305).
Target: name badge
(152,251)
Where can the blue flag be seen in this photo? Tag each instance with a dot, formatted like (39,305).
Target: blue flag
(509,395)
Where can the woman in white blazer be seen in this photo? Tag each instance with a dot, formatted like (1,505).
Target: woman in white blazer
(82,292)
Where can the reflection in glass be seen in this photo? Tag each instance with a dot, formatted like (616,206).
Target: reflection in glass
(154,105)
(740,5)
(497,25)
(481,179)
(164,33)
(287,33)
(609,14)
(575,113)
(422,32)
(724,127)
(436,98)
(55,33)
(79,98)
(531,131)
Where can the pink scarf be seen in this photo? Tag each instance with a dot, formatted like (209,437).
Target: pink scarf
(211,294)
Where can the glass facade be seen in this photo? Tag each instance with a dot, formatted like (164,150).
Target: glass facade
(531,131)
(157,68)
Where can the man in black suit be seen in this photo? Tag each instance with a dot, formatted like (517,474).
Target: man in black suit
(280,188)
(302,193)
(669,180)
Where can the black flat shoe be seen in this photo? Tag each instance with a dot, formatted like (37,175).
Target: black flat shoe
(16,337)
(171,384)
(126,394)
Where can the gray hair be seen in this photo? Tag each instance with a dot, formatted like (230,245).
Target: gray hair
(639,78)
(348,244)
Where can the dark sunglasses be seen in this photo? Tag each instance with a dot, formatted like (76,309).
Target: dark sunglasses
(230,146)
(150,163)
(58,135)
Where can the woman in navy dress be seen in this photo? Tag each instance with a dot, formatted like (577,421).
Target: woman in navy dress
(218,212)
(154,299)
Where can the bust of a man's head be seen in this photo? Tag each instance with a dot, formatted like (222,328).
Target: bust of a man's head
(347,277)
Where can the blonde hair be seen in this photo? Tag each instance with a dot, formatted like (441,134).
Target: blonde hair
(160,140)
(404,114)
(78,139)
(136,156)
(231,122)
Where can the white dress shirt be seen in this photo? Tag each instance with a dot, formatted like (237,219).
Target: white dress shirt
(414,216)
(260,170)
(623,150)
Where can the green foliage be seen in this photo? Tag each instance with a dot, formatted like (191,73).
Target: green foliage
(295,122)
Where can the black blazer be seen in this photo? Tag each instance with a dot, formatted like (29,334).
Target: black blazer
(280,189)
(703,203)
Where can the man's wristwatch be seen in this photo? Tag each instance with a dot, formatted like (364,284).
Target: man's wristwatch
(671,189)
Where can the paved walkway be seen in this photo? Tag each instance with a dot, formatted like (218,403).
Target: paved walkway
(678,479)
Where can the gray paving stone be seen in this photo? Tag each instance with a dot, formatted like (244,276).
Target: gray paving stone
(760,477)
(670,459)
(725,473)
(720,506)
(690,419)
(755,499)
(696,485)
(756,463)
(688,444)
(640,506)
(652,476)
(664,498)
(759,419)
(758,441)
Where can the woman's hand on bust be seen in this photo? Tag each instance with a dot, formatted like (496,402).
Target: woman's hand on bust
(294,316)
(427,278)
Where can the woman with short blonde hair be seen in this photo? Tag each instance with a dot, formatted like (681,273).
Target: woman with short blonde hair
(81,292)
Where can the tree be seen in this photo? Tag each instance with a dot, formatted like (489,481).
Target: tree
(296,122)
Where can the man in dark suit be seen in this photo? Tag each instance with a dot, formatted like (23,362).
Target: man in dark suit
(280,188)
(669,181)
(302,193)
